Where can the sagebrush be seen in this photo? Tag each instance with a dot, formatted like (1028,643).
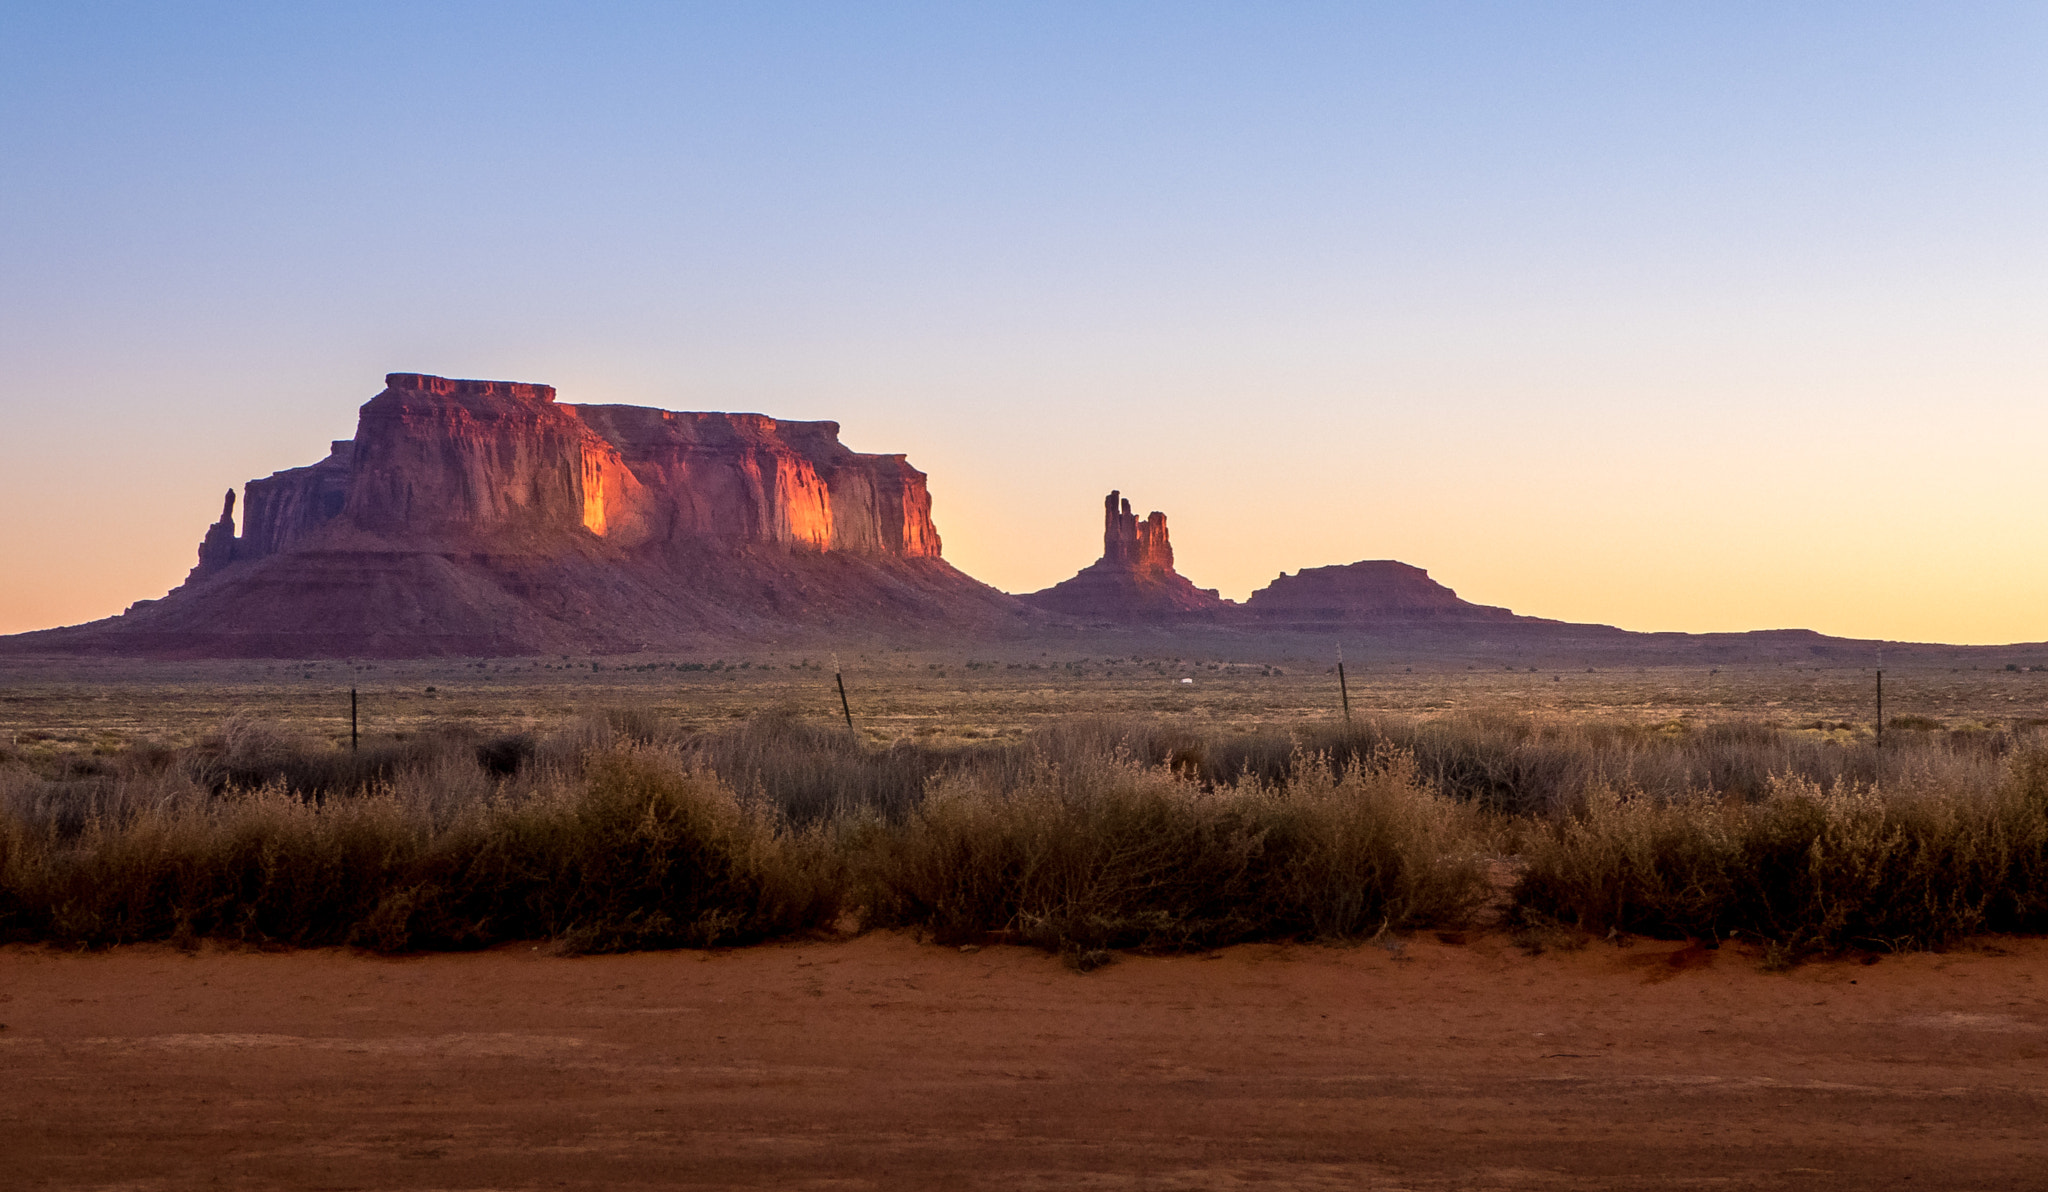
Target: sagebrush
(622,831)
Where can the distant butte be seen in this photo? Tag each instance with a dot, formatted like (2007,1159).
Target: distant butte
(1369,590)
(485,518)
(1134,580)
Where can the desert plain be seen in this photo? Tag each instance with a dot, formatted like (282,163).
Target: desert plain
(973,693)
(881,1059)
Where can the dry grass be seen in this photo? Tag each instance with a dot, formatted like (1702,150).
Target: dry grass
(630,829)
(638,848)
(1920,863)
(1100,852)
(84,707)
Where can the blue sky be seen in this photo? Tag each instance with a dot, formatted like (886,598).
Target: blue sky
(1675,316)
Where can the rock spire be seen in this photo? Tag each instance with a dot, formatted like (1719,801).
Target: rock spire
(1134,580)
(1141,546)
(217,549)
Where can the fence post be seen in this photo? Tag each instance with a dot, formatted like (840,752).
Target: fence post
(1343,688)
(844,707)
(354,739)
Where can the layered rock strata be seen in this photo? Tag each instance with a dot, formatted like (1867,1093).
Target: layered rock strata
(485,517)
(1134,580)
(441,458)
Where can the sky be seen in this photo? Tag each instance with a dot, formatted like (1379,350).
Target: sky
(1677,316)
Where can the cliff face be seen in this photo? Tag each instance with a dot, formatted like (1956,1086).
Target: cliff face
(287,506)
(759,479)
(485,517)
(481,460)
(1134,580)
(504,464)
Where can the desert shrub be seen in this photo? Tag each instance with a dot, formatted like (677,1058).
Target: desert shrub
(1807,867)
(647,852)
(623,829)
(246,752)
(812,771)
(1634,862)
(1505,763)
(1117,854)
(641,850)
(256,865)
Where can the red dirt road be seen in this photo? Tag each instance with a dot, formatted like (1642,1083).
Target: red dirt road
(879,1063)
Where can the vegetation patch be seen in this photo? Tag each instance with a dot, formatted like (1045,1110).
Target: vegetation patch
(624,830)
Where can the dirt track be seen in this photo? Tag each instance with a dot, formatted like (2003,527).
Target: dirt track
(879,1063)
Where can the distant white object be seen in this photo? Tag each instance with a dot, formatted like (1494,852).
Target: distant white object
(1187,680)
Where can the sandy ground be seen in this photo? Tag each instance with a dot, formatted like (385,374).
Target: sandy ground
(880,1063)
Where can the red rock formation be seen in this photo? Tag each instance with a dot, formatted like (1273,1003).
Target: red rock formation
(217,549)
(492,460)
(1141,546)
(286,506)
(477,460)
(1374,589)
(1134,580)
(483,517)
(759,479)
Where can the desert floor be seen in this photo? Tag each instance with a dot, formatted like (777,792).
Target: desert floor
(95,705)
(879,1062)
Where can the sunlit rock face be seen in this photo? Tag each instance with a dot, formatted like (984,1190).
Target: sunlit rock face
(1134,580)
(486,517)
(506,463)
(1139,546)
(761,479)
(481,459)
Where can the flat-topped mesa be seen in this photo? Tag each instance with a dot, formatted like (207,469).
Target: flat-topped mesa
(450,387)
(1373,589)
(502,463)
(1134,580)
(489,518)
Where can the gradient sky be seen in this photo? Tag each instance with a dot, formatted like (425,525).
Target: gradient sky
(1700,316)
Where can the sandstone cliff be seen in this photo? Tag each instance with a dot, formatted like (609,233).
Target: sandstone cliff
(485,517)
(1134,580)
(504,463)
(758,479)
